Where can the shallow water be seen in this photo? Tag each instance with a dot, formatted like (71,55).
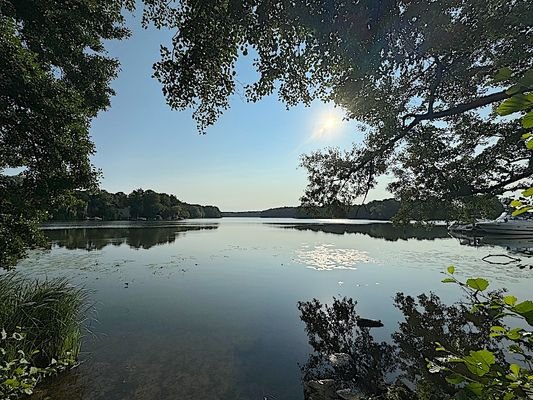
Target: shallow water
(206,309)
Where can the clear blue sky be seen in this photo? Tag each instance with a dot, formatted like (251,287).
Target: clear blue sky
(247,161)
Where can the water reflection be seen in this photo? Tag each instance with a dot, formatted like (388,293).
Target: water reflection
(349,362)
(137,238)
(516,249)
(385,231)
(343,351)
(326,257)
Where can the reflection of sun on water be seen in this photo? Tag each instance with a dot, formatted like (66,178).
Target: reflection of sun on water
(326,257)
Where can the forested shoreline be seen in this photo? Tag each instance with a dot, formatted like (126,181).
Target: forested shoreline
(150,205)
(138,205)
(383,210)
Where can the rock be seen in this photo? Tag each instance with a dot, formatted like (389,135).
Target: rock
(320,390)
(340,359)
(347,394)
(369,323)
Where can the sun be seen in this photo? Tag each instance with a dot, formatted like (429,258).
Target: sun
(330,123)
(327,125)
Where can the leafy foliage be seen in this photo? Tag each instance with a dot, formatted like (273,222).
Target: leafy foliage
(419,76)
(18,377)
(40,331)
(54,78)
(485,375)
(523,104)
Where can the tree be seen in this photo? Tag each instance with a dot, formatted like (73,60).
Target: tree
(135,201)
(419,75)
(54,78)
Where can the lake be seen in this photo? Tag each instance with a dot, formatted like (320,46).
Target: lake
(207,309)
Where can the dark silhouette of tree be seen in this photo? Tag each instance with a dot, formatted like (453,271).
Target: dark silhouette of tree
(54,78)
(418,75)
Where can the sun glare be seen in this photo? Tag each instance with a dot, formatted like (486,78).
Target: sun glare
(327,125)
(330,123)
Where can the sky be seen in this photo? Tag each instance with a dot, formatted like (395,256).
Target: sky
(249,160)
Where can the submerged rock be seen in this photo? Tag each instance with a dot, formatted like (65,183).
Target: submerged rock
(320,390)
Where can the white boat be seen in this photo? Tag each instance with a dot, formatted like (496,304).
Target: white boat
(505,224)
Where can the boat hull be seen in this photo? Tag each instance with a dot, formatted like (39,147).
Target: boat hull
(506,228)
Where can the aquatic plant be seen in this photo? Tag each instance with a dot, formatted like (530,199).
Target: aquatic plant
(18,377)
(50,313)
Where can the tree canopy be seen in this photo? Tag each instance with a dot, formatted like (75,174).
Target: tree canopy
(421,76)
(146,204)
(54,78)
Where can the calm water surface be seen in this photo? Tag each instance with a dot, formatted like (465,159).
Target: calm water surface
(206,309)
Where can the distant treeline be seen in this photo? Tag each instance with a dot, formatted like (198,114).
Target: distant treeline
(384,210)
(378,210)
(139,204)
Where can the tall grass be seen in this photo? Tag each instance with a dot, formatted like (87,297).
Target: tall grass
(50,313)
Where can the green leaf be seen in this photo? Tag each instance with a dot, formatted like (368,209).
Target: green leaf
(527,121)
(527,79)
(525,309)
(479,362)
(508,396)
(455,379)
(514,90)
(514,334)
(519,102)
(497,328)
(516,203)
(510,300)
(515,369)
(478,284)
(522,209)
(476,388)
(451,269)
(527,192)
(13,382)
(529,144)
(503,74)
(526,136)
(448,280)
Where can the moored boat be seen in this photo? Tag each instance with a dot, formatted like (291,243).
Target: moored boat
(505,224)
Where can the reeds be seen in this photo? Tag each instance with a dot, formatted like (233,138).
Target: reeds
(49,313)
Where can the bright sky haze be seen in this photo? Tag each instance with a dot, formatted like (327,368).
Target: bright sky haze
(247,161)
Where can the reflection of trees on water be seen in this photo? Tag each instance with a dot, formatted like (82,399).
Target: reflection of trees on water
(358,364)
(376,230)
(138,238)
(342,349)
